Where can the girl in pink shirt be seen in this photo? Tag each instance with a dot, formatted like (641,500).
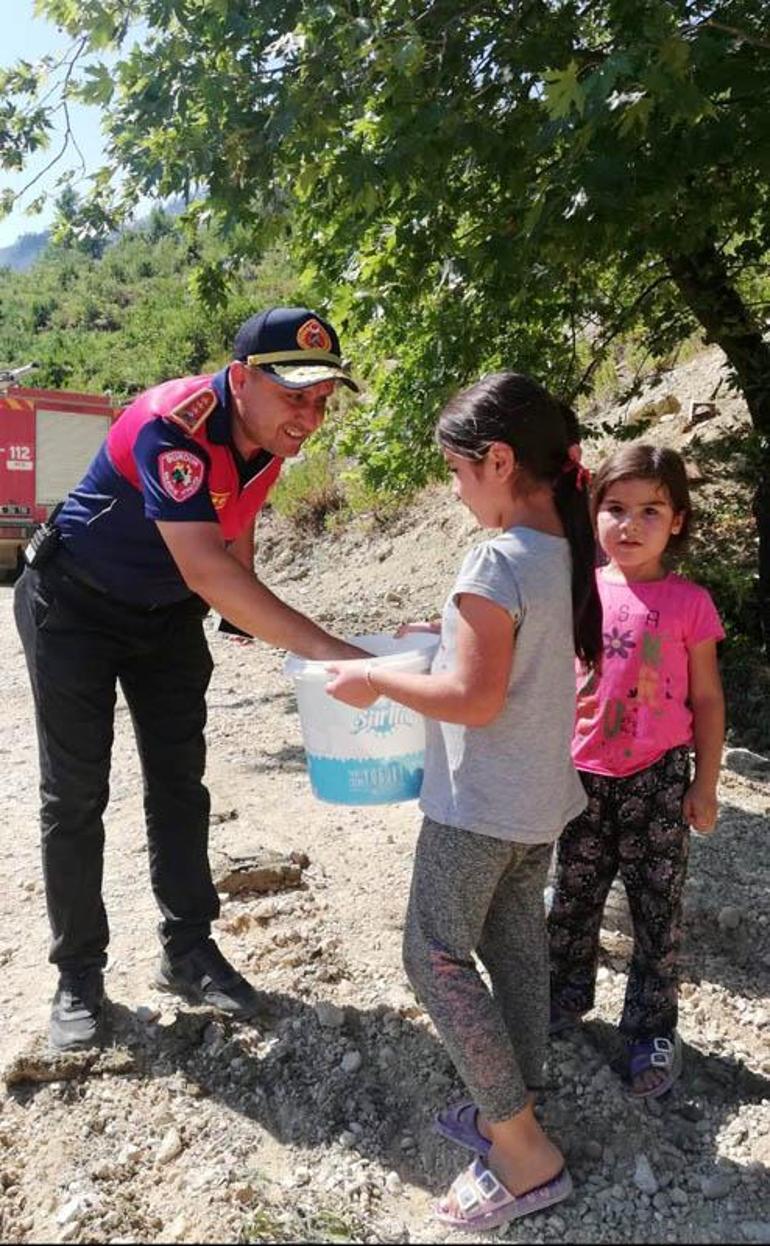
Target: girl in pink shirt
(656,695)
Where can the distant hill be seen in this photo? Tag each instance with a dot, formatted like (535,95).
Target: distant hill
(24,251)
(126,318)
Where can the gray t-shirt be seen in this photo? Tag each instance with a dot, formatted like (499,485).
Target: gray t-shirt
(512,779)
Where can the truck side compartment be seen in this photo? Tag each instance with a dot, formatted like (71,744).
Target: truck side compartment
(47,439)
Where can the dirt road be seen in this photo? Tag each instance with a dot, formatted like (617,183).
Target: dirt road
(319,1124)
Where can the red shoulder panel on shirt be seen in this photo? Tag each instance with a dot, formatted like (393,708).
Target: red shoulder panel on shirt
(193,411)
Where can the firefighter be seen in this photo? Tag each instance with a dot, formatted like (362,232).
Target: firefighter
(160,529)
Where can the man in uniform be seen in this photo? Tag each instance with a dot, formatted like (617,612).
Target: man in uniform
(161,528)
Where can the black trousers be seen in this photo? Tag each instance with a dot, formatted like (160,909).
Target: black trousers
(632,826)
(78,644)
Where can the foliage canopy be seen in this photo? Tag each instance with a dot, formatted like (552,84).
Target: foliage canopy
(468,186)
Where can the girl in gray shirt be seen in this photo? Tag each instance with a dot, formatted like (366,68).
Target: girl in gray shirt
(499,783)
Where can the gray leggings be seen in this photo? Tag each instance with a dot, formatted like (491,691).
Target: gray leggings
(471,893)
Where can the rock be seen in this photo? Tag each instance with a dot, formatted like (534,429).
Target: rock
(351,1062)
(176,1230)
(690,1110)
(644,1178)
(717,1185)
(102,1170)
(214,1037)
(147,1015)
(170,1147)
(329,1015)
(393,1183)
(591,1149)
(40,1063)
(729,917)
(756,1231)
(743,761)
(617,915)
(653,409)
(677,1196)
(72,1210)
(129,1154)
(260,872)
(223,815)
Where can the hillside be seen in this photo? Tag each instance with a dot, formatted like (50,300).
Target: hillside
(127,317)
(22,253)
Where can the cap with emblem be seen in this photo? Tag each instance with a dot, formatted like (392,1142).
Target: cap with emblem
(294,345)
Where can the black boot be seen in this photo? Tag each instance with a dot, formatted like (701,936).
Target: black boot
(76,1013)
(203,976)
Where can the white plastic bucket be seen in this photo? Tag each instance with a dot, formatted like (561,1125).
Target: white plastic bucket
(373,756)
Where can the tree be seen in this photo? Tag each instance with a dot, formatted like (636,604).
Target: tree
(469,184)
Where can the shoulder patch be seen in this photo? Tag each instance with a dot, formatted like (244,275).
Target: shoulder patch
(193,411)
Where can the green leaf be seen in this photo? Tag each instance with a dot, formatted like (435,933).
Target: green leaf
(563,91)
(99,87)
(635,116)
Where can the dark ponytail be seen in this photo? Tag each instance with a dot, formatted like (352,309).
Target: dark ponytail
(570,493)
(509,407)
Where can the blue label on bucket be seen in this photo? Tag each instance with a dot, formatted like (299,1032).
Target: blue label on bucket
(362,781)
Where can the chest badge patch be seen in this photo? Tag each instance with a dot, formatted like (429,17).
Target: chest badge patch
(180,473)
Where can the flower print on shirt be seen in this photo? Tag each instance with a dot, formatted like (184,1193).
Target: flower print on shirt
(618,644)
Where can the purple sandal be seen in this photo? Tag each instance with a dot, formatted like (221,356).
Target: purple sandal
(458,1124)
(662,1054)
(485,1203)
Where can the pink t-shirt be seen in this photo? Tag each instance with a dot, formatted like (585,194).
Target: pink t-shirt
(637,709)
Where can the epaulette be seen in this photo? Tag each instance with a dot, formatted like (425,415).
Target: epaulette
(193,411)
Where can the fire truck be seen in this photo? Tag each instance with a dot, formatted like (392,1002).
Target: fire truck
(47,439)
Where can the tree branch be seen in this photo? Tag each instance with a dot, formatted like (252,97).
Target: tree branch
(742,35)
(617,328)
(69,137)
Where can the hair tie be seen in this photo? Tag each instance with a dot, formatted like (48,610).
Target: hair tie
(582,474)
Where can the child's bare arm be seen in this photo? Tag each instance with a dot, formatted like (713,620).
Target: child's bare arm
(472,693)
(708,713)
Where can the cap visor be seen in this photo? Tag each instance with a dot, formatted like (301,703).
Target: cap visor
(293,377)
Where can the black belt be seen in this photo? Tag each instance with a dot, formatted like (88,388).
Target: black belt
(68,568)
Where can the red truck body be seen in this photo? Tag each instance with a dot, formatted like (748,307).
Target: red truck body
(47,439)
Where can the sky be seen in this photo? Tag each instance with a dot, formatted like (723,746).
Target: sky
(30,37)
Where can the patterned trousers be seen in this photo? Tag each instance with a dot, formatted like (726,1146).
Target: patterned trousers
(475,896)
(632,826)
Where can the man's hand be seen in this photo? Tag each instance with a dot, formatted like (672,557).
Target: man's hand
(699,807)
(351,685)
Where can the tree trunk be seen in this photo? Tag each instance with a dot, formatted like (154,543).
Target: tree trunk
(704,283)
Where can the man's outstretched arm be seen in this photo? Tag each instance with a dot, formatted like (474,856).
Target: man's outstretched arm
(209,569)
